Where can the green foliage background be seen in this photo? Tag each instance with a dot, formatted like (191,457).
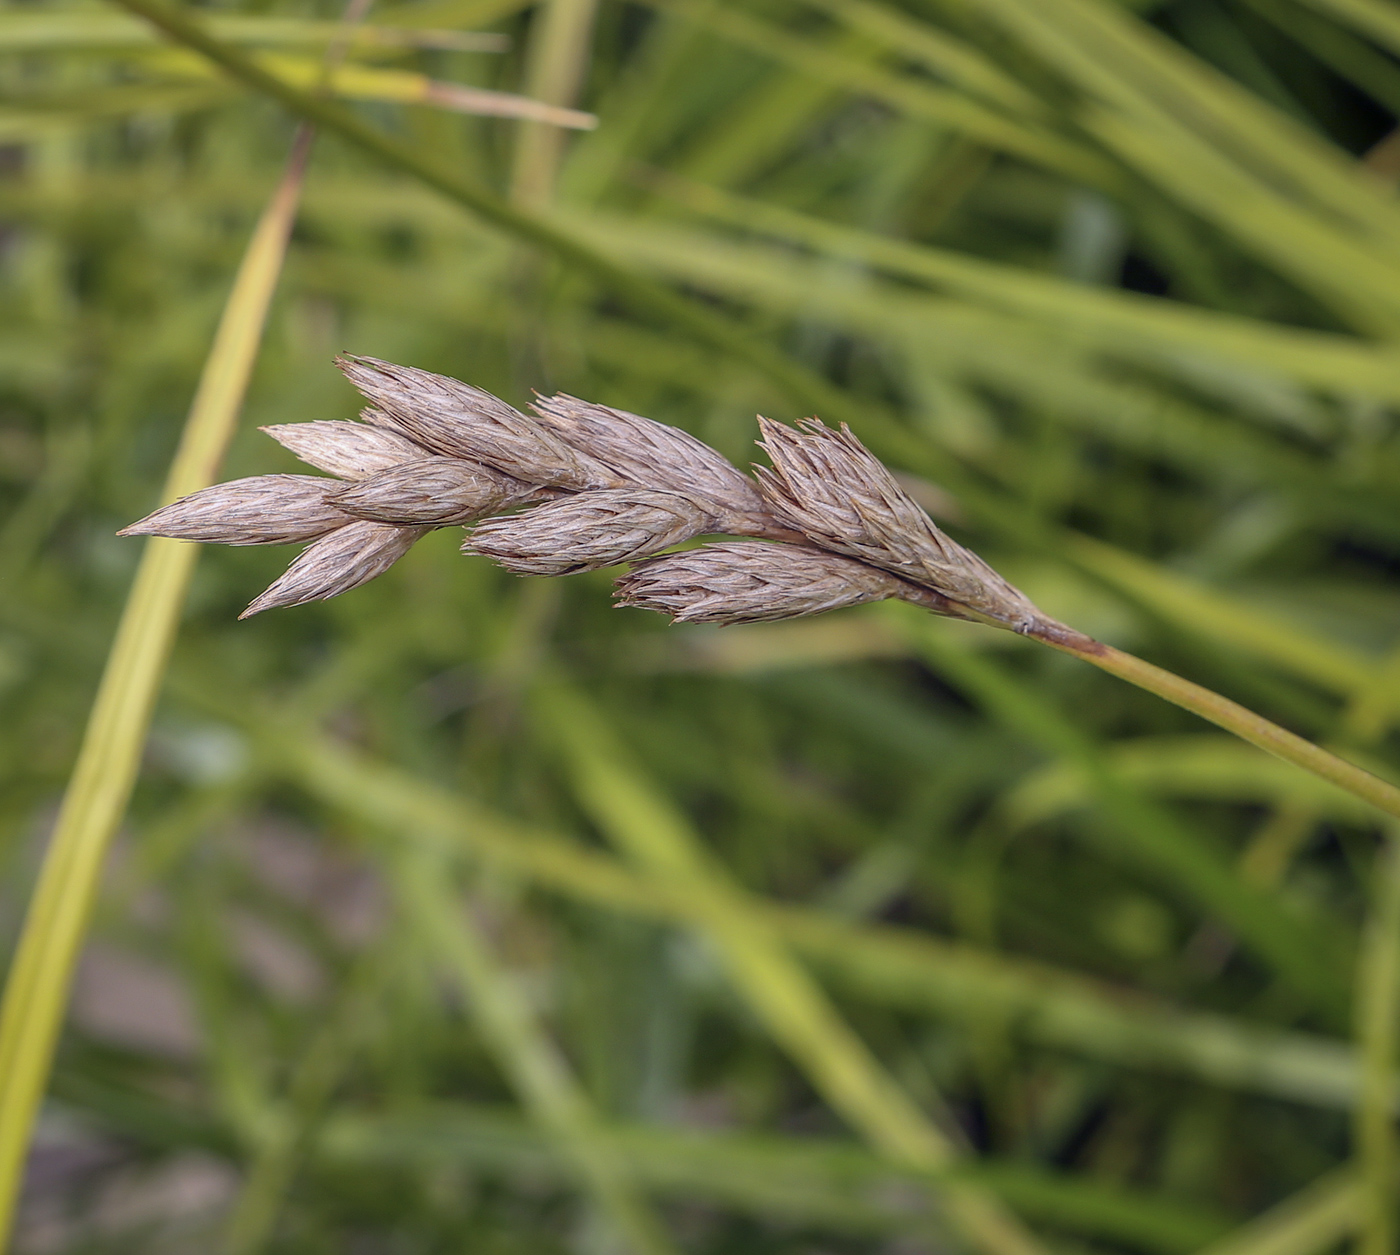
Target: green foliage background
(1110,282)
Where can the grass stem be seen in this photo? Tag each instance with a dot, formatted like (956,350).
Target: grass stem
(36,991)
(1240,720)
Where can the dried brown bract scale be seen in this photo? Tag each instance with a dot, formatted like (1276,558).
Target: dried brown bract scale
(350,556)
(591,530)
(349,450)
(432,492)
(753,582)
(456,420)
(263,510)
(653,455)
(827,485)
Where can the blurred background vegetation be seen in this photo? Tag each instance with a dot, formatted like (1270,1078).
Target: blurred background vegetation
(468,913)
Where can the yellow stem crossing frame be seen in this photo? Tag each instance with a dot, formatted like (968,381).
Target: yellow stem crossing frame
(36,992)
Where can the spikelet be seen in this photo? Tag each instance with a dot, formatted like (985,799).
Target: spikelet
(349,450)
(652,455)
(432,492)
(348,557)
(751,582)
(825,484)
(591,530)
(264,510)
(456,420)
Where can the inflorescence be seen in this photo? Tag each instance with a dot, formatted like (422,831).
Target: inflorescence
(828,525)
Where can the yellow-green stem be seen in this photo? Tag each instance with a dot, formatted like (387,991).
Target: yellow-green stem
(36,991)
(1231,716)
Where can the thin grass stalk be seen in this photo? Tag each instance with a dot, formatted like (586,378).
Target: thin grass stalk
(36,991)
(1378,1036)
(1241,721)
(777,988)
(1211,612)
(557,62)
(536,1068)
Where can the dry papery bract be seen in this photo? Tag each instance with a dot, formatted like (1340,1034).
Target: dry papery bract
(606,487)
(652,455)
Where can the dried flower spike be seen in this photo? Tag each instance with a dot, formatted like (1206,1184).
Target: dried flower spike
(617,487)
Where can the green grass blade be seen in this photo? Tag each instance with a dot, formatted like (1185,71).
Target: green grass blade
(1215,147)
(1310,1222)
(914,99)
(59,31)
(841,1183)
(536,1068)
(1372,18)
(887,965)
(1201,767)
(558,59)
(36,991)
(1110,320)
(776,988)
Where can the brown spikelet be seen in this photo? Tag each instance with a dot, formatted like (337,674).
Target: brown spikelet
(827,485)
(349,450)
(651,454)
(457,420)
(347,558)
(752,582)
(589,531)
(432,492)
(263,510)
